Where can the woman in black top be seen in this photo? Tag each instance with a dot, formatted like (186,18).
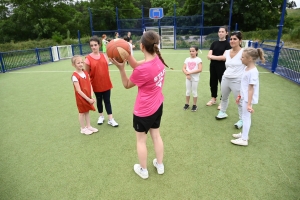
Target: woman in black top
(217,63)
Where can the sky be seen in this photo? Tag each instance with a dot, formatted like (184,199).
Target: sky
(297,3)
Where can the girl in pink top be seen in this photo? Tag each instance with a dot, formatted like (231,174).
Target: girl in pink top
(148,75)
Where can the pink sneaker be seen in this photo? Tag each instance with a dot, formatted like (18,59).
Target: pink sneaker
(94,130)
(86,131)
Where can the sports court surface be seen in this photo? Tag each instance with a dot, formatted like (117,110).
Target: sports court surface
(44,156)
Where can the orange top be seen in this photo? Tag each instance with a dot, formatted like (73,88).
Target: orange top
(85,86)
(99,74)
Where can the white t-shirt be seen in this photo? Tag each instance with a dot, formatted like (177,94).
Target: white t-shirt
(250,77)
(191,65)
(82,75)
(234,66)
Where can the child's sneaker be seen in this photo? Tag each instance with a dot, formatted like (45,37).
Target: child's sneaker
(160,169)
(94,130)
(221,115)
(237,136)
(186,106)
(239,124)
(240,142)
(100,120)
(194,108)
(139,171)
(113,123)
(86,131)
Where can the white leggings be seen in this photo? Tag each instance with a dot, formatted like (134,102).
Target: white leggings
(246,120)
(228,85)
(191,85)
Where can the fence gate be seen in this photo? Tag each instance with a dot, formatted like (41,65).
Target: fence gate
(166,35)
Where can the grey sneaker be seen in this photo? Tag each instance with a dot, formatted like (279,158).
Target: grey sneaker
(186,106)
(239,124)
(160,170)
(139,171)
(113,123)
(221,115)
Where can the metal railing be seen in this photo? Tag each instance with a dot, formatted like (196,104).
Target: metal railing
(13,60)
(288,64)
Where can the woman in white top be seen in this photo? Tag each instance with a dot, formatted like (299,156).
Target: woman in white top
(231,81)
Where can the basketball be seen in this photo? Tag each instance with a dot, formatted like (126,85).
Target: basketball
(118,49)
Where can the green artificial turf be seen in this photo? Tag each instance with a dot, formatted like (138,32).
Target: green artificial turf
(44,156)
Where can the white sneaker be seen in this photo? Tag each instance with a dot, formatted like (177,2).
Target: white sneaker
(86,131)
(240,142)
(94,130)
(221,115)
(139,171)
(113,123)
(237,136)
(100,120)
(160,170)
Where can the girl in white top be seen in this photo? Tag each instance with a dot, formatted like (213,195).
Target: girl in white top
(191,68)
(249,92)
(231,80)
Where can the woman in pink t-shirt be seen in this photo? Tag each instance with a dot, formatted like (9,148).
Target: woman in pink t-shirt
(148,75)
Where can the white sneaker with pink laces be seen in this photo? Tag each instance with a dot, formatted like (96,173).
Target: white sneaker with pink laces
(86,131)
(94,130)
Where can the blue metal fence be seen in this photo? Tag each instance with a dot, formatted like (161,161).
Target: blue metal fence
(288,64)
(19,59)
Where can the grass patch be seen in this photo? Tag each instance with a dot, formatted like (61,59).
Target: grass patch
(43,155)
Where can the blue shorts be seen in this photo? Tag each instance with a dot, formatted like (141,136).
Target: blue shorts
(143,124)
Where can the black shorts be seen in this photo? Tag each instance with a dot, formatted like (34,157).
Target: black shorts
(143,124)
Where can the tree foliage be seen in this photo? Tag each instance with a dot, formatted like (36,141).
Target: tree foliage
(38,19)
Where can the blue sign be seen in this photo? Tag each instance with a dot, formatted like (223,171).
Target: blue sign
(156,13)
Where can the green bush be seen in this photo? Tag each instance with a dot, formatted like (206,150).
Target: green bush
(57,37)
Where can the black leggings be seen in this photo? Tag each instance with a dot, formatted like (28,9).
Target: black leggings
(216,73)
(105,96)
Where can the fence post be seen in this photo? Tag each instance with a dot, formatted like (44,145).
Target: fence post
(230,15)
(175,28)
(58,53)
(250,43)
(91,21)
(2,63)
(80,49)
(37,56)
(277,48)
(255,45)
(51,55)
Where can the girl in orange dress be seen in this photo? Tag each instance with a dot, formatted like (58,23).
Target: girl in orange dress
(83,91)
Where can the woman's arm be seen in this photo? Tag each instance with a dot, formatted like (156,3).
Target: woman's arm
(125,80)
(133,63)
(209,54)
(87,68)
(219,58)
